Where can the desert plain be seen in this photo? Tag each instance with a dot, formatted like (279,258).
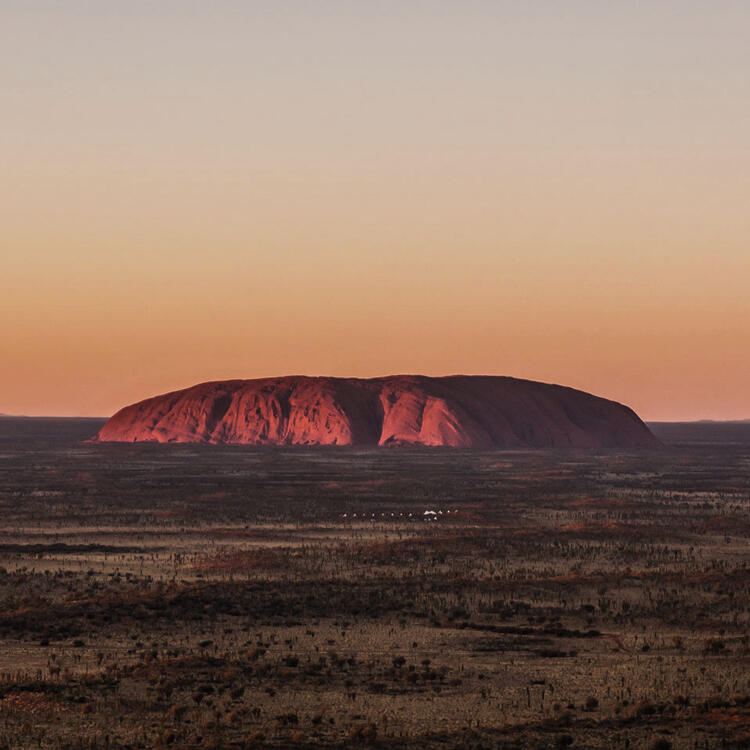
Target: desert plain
(223,596)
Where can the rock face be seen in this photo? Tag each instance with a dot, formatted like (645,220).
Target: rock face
(462,411)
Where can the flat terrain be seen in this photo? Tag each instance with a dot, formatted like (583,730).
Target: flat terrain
(205,596)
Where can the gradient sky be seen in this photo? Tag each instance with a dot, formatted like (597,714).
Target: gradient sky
(204,190)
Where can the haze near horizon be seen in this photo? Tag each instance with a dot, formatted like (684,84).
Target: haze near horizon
(196,192)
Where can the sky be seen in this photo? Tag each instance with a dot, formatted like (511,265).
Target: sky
(195,191)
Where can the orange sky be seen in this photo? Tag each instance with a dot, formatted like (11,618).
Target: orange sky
(196,192)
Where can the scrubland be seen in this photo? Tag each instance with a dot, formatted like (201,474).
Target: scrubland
(202,596)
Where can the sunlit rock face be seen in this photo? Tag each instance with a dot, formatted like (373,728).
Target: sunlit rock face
(460,411)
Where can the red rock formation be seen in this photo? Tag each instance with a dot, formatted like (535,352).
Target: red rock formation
(460,411)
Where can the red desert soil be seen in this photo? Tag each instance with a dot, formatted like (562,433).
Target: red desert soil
(459,411)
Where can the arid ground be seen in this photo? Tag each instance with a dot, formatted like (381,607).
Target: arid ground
(214,596)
